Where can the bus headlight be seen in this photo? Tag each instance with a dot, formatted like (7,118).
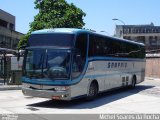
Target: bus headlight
(61,88)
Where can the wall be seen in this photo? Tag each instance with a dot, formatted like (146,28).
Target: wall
(10,37)
(153,67)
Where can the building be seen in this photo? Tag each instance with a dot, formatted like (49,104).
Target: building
(9,37)
(147,34)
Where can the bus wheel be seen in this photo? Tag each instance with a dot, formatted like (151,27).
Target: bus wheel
(133,82)
(93,91)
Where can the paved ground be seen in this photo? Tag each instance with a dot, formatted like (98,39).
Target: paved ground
(1,81)
(145,98)
(8,87)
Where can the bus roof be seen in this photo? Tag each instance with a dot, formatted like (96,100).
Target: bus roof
(59,30)
(75,31)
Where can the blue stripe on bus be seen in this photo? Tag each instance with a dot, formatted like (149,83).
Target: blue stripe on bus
(115,59)
(51,82)
(45,81)
(68,82)
(77,80)
(105,75)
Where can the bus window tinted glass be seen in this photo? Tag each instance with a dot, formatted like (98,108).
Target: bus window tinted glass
(62,40)
(79,56)
(107,46)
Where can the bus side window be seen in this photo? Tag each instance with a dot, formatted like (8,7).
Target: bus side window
(91,51)
(77,66)
(79,57)
(81,45)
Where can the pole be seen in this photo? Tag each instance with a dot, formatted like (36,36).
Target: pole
(4,59)
(116,19)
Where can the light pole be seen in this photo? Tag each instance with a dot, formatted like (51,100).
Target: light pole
(121,32)
(104,32)
(115,19)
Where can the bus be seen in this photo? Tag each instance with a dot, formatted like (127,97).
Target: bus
(67,63)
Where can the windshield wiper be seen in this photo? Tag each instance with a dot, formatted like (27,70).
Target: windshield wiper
(40,64)
(44,63)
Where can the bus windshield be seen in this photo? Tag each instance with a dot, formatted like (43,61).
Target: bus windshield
(47,63)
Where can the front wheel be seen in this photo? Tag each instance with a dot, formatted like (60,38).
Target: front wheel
(93,91)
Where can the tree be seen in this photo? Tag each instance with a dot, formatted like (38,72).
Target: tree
(55,14)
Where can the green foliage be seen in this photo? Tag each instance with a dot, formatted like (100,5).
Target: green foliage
(23,40)
(55,14)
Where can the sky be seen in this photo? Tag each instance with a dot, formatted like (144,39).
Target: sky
(99,13)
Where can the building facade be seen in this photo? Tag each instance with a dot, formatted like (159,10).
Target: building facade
(147,34)
(9,37)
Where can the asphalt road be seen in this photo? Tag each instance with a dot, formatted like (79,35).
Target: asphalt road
(145,98)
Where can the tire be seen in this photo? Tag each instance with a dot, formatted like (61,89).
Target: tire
(93,91)
(133,85)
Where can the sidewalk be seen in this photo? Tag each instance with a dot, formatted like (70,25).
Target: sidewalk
(9,87)
(151,78)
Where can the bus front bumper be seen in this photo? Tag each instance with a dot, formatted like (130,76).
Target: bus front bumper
(55,95)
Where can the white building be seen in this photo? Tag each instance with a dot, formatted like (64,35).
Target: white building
(148,34)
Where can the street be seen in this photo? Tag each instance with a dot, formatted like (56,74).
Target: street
(145,98)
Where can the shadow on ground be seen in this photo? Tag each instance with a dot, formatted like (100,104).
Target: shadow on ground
(102,99)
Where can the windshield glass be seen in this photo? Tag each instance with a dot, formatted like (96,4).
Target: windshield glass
(47,63)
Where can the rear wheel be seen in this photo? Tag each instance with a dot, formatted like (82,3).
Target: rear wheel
(93,91)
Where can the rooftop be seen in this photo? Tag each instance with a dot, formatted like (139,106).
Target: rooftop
(141,25)
(7,16)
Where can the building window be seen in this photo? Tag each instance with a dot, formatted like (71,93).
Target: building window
(11,26)
(150,37)
(153,41)
(3,23)
(141,39)
(144,30)
(156,38)
(1,39)
(127,37)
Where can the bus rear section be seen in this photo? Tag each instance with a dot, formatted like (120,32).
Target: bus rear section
(114,62)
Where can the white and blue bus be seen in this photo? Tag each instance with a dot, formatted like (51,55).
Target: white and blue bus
(66,64)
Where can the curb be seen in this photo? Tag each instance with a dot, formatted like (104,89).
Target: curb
(4,88)
(151,78)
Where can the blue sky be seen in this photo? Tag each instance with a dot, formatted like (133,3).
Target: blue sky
(99,12)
